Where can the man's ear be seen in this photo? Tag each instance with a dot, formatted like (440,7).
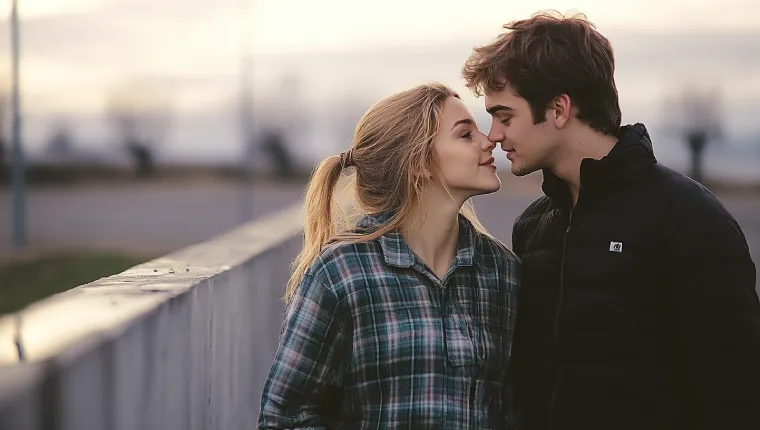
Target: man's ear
(560,110)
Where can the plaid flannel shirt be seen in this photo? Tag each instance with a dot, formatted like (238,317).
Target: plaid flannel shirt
(373,339)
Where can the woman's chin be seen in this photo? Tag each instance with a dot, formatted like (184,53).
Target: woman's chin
(487,188)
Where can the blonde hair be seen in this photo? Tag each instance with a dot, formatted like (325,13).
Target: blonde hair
(392,147)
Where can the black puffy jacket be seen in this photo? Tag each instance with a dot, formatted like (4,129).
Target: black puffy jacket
(638,308)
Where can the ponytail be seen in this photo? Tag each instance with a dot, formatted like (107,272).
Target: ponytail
(319,227)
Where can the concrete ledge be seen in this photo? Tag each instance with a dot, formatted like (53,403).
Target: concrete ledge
(183,341)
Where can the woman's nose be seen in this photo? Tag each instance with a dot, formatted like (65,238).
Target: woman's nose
(487,144)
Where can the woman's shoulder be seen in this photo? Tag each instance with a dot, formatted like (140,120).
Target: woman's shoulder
(498,263)
(491,250)
(496,253)
(340,250)
(341,261)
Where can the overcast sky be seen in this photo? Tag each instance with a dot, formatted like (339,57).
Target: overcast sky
(75,51)
(85,45)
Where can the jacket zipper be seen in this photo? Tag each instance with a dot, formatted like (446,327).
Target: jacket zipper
(560,301)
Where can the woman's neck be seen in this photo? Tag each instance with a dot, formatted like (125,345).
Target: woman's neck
(433,231)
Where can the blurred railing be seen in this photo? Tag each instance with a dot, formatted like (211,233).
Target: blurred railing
(181,342)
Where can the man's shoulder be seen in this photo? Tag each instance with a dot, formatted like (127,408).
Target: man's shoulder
(534,218)
(683,196)
(535,211)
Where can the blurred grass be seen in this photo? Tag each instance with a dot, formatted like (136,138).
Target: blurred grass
(26,281)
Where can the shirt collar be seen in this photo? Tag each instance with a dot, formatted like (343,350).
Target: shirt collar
(396,252)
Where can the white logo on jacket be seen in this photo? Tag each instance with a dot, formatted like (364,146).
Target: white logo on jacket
(616,246)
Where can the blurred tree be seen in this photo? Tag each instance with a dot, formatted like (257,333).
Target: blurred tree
(61,142)
(140,111)
(273,143)
(278,132)
(696,116)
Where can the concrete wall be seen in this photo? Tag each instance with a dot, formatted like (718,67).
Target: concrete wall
(181,342)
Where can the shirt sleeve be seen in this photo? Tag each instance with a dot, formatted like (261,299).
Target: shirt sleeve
(302,390)
(717,315)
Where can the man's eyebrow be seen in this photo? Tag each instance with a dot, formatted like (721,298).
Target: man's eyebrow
(496,108)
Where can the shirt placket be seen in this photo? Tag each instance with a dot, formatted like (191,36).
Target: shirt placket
(461,358)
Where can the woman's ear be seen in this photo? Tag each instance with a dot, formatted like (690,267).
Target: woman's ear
(423,174)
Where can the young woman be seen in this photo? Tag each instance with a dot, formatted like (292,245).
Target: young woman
(404,320)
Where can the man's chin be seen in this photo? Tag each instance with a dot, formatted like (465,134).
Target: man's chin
(520,171)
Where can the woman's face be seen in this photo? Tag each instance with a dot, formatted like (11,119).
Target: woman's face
(464,154)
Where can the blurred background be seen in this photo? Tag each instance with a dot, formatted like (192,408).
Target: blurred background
(151,125)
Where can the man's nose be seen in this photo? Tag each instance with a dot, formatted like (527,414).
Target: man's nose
(495,136)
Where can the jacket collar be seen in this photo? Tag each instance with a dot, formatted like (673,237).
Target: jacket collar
(630,154)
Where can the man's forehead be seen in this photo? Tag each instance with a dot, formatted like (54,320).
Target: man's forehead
(504,98)
(504,94)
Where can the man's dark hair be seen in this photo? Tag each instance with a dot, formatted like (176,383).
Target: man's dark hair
(546,56)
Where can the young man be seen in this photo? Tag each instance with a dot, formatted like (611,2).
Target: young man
(638,308)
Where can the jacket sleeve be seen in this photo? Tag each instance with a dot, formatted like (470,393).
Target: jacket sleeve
(518,384)
(303,386)
(716,312)
(518,235)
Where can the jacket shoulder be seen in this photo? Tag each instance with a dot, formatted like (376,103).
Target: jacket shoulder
(683,196)
(535,210)
(536,215)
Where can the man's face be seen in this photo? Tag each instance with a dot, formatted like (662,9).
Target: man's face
(529,146)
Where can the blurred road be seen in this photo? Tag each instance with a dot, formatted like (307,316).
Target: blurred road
(157,218)
(151,218)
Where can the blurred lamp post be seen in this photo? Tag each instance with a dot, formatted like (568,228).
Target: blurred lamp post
(245,109)
(18,169)
(696,116)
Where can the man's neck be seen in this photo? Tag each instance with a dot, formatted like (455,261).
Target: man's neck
(586,144)
(433,233)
